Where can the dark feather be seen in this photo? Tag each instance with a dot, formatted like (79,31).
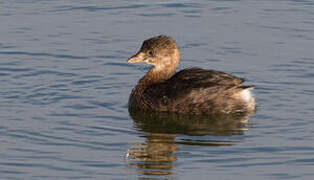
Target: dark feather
(194,90)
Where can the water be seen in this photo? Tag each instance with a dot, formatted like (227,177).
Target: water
(64,87)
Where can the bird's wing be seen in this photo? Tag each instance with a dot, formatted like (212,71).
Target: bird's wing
(193,84)
(205,78)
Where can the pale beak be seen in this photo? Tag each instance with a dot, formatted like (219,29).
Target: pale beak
(139,57)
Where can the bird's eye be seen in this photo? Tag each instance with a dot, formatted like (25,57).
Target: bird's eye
(151,53)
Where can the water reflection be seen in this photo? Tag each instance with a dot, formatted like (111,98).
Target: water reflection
(155,158)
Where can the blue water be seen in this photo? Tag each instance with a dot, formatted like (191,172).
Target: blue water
(64,87)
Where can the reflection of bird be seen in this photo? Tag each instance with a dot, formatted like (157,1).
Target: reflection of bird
(174,123)
(193,90)
(155,156)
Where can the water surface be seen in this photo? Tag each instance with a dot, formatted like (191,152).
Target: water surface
(64,87)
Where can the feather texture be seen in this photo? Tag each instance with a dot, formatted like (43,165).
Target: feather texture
(192,90)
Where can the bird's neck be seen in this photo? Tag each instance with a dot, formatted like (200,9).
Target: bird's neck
(159,73)
(153,76)
(156,75)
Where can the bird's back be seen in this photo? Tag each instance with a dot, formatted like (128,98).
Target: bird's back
(197,91)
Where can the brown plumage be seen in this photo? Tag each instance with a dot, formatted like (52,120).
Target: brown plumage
(193,90)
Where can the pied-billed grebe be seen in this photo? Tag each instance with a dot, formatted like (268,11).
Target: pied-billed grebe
(193,90)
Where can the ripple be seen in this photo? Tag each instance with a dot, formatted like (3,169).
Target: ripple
(157,14)
(34,165)
(15,69)
(65,84)
(45,72)
(108,105)
(97,8)
(124,64)
(63,56)
(79,107)
(12,172)
(179,5)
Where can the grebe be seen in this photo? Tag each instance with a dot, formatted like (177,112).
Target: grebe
(193,90)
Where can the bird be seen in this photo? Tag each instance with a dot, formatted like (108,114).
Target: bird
(193,90)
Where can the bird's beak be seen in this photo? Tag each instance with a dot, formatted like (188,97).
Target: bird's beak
(139,57)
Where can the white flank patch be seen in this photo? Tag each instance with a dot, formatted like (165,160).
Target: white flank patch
(248,97)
